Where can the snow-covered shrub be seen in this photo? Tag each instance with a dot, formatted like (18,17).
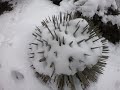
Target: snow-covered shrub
(66,51)
(102,12)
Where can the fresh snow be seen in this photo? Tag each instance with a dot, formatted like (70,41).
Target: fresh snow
(16,28)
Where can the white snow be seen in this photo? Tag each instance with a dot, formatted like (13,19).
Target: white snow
(15,29)
(15,32)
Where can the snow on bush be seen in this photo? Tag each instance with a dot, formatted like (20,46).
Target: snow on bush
(66,50)
(107,9)
(91,7)
(104,13)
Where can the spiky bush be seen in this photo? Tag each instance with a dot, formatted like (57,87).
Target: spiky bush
(66,50)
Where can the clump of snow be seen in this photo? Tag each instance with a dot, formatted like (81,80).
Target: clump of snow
(67,6)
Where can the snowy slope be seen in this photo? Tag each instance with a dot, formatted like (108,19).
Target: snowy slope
(15,32)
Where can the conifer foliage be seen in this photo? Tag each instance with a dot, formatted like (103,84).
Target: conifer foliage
(66,50)
(57,2)
(5,6)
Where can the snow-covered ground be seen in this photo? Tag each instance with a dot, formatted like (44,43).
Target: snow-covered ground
(15,33)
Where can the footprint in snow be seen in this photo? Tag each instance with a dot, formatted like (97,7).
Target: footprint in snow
(17,76)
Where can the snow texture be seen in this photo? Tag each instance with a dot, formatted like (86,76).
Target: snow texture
(15,33)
